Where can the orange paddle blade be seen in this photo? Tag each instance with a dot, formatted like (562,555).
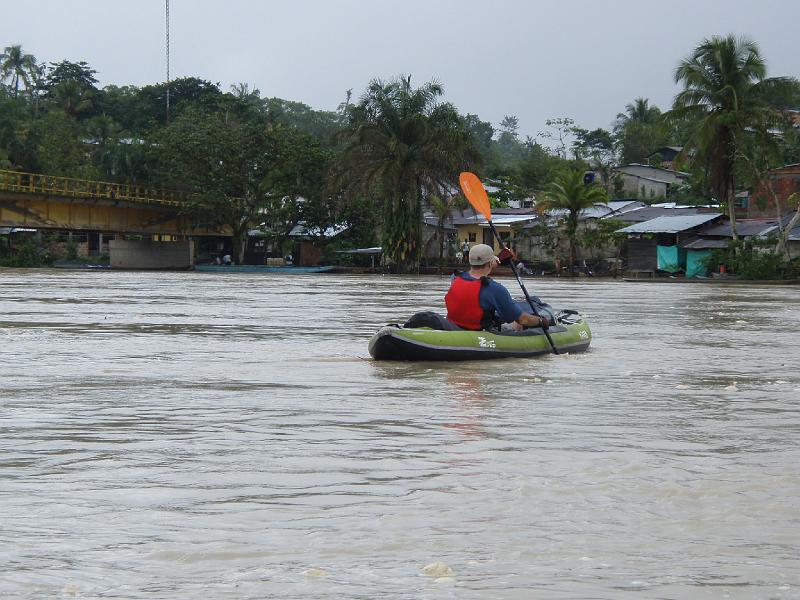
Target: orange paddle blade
(476,194)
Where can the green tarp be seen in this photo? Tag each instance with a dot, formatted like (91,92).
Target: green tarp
(671,258)
(695,267)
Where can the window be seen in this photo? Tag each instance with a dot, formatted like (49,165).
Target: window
(473,237)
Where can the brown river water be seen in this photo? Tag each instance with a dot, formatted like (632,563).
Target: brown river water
(190,435)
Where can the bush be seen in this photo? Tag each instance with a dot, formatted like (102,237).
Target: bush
(26,253)
(72,249)
(751,259)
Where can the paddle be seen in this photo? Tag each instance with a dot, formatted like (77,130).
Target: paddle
(476,194)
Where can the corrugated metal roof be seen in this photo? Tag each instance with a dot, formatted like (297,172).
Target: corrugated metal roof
(434,222)
(496,219)
(670,224)
(593,212)
(8,230)
(640,215)
(703,244)
(658,171)
(624,205)
(743,228)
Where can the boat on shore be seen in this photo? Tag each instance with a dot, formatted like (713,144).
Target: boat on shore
(430,337)
(290,270)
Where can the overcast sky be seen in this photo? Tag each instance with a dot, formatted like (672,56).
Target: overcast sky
(533,59)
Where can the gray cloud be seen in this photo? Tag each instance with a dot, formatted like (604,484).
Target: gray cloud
(536,60)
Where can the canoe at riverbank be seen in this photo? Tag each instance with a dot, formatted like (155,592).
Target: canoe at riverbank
(714,280)
(263,269)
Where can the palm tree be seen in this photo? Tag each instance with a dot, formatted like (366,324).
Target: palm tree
(105,134)
(442,207)
(569,194)
(639,130)
(726,90)
(403,145)
(18,66)
(73,97)
(640,111)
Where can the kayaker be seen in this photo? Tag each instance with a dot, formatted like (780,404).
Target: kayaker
(475,301)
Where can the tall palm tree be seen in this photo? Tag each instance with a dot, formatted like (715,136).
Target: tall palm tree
(569,194)
(640,111)
(639,130)
(725,88)
(74,98)
(105,134)
(442,207)
(403,146)
(18,66)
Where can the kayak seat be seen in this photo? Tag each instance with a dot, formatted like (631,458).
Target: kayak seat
(432,320)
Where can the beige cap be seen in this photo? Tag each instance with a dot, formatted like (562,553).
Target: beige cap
(480,254)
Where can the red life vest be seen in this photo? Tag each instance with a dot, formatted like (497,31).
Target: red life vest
(463,303)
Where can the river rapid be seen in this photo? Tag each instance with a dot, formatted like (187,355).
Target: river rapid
(191,435)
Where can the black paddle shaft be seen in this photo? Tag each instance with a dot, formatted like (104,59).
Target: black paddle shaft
(521,285)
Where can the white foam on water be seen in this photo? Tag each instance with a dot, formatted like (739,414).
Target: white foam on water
(437,569)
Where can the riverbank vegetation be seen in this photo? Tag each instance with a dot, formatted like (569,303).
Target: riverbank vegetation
(382,158)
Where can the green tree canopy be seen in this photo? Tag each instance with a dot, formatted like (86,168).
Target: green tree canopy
(640,131)
(18,67)
(78,72)
(403,145)
(725,89)
(240,170)
(568,194)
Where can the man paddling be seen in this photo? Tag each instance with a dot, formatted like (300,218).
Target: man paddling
(474,301)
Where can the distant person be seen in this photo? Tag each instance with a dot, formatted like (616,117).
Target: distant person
(522,269)
(475,301)
(226,260)
(289,260)
(465,251)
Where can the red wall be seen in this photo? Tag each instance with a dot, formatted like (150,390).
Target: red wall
(785,182)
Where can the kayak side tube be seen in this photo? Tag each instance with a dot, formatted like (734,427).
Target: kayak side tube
(424,344)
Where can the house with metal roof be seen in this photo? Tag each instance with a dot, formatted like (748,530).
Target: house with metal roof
(649,212)
(667,156)
(645,181)
(720,236)
(474,228)
(659,244)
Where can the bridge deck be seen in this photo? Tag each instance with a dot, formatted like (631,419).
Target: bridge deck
(53,185)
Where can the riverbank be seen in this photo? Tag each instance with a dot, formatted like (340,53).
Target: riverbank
(502,273)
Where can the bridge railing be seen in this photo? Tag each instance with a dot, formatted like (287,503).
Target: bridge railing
(35,183)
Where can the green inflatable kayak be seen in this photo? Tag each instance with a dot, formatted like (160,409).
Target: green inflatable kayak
(429,336)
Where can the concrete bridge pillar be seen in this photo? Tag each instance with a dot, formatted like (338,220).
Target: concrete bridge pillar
(147,254)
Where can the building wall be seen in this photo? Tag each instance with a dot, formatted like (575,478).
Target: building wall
(310,255)
(785,182)
(652,173)
(648,182)
(646,189)
(642,254)
(464,232)
(146,254)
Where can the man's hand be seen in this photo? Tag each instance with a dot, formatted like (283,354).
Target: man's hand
(530,320)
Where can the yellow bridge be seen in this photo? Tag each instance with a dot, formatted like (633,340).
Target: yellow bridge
(31,200)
